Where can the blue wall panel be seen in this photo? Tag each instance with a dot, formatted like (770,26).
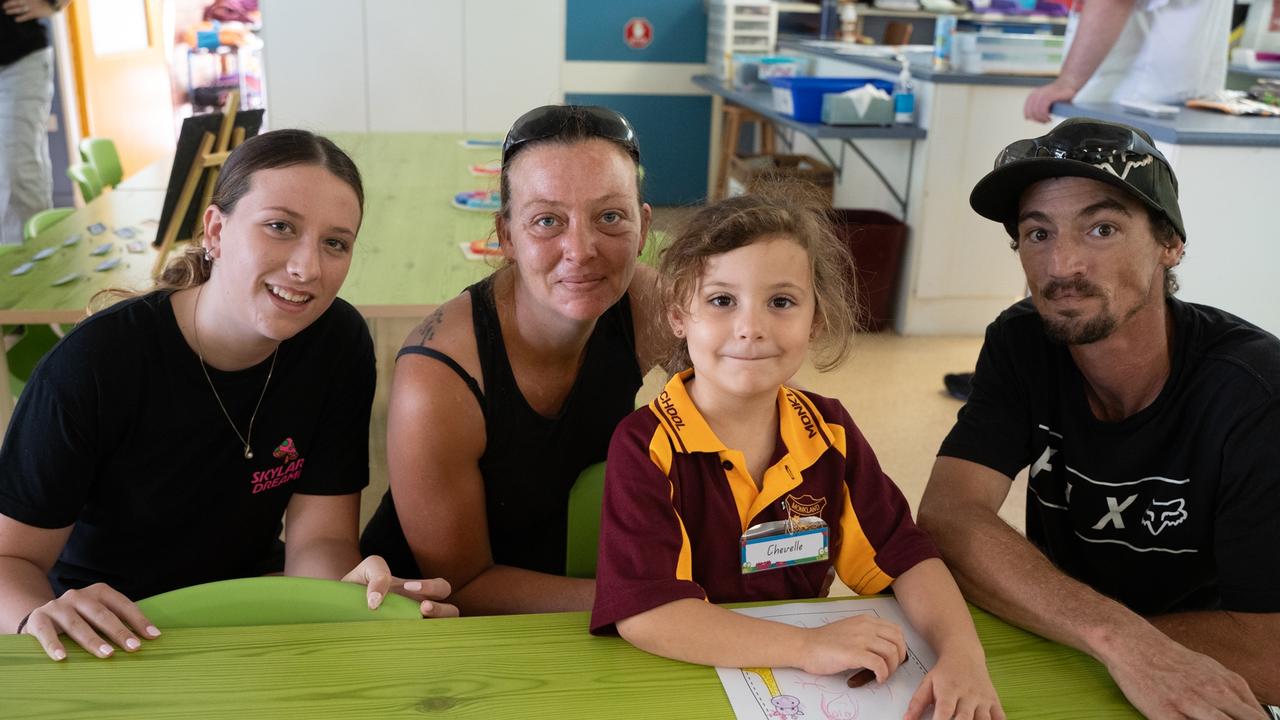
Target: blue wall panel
(674,133)
(595,28)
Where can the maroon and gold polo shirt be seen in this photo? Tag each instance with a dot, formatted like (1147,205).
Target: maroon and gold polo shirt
(676,503)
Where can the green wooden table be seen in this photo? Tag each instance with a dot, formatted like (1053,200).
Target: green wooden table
(527,666)
(407,258)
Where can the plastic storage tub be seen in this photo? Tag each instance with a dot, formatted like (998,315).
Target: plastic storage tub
(801,97)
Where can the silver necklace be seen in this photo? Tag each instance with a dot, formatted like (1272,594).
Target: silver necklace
(195,331)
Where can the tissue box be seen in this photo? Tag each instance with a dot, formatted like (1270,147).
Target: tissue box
(840,109)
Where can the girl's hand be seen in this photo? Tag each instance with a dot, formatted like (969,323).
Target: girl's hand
(856,642)
(373,573)
(86,616)
(957,687)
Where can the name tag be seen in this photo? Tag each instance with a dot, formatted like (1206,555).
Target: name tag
(776,551)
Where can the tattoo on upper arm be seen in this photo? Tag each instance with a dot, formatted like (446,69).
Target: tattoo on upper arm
(426,330)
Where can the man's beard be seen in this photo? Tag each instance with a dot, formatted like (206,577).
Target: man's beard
(1075,331)
(1072,332)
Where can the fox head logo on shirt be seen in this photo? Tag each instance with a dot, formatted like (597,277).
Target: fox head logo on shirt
(1160,515)
(288,471)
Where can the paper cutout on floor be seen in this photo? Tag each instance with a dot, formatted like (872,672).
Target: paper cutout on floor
(790,694)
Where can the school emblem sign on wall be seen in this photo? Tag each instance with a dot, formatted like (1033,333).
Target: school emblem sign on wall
(638,33)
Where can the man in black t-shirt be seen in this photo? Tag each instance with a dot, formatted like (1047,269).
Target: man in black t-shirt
(1149,427)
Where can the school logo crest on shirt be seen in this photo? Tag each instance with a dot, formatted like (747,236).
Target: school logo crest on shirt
(805,505)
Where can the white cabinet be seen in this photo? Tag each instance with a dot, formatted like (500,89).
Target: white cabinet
(314,62)
(410,65)
(514,50)
(415,67)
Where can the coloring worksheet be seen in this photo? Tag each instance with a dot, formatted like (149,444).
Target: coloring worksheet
(790,694)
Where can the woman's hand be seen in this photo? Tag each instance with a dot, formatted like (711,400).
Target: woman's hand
(860,641)
(86,616)
(373,573)
(957,687)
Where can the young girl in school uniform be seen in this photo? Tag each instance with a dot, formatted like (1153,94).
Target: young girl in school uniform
(727,446)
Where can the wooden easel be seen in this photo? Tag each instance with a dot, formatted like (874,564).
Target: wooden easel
(210,156)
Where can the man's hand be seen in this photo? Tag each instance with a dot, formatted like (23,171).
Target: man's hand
(1164,679)
(1039,102)
(27,10)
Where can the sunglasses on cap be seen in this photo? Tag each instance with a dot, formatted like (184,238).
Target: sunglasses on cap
(1119,149)
(550,121)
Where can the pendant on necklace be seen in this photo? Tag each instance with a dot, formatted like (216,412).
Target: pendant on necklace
(248,454)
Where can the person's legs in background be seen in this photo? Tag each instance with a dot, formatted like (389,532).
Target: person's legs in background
(26,176)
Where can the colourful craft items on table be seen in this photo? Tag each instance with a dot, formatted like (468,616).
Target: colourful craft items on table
(488,246)
(481,249)
(476,144)
(478,200)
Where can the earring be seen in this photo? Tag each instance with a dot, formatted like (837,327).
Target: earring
(208,255)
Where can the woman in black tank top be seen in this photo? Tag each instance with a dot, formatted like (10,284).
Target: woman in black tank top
(504,394)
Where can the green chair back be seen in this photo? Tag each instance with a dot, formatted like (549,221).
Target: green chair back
(584,522)
(273,600)
(653,246)
(85,178)
(42,221)
(25,354)
(101,154)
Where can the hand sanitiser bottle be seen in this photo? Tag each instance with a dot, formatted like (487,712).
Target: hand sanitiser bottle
(904,98)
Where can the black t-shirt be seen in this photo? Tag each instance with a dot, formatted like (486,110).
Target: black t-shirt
(1172,509)
(18,40)
(530,462)
(119,433)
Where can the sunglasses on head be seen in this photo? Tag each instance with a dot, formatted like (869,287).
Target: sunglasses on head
(550,121)
(1085,142)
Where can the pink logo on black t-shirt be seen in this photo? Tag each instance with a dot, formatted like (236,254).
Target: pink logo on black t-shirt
(286,451)
(288,471)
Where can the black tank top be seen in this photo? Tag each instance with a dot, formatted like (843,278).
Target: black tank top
(530,461)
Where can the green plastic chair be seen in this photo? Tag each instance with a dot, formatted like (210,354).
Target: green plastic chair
(25,354)
(85,178)
(273,600)
(42,221)
(585,498)
(653,246)
(101,154)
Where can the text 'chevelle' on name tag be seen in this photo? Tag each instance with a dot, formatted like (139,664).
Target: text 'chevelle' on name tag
(777,544)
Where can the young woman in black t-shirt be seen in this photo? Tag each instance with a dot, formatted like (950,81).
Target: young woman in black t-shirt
(160,442)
